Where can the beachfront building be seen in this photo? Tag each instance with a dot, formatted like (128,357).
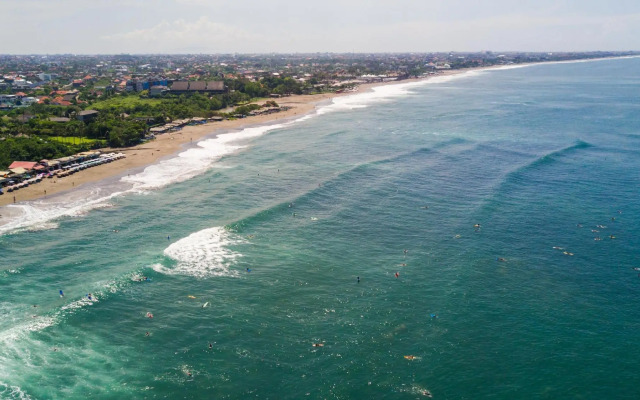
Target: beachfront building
(87,115)
(158,90)
(198,86)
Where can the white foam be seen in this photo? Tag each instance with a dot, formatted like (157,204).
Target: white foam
(385,93)
(38,215)
(202,254)
(12,392)
(196,160)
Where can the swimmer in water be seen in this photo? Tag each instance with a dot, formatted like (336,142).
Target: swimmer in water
(501,259)
(358,278)
(397,274)
(149,315)
(147,334)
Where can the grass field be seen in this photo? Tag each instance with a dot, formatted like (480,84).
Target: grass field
(124,101)
(75,140)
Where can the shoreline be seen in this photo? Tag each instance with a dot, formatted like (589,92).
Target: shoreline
(168,144)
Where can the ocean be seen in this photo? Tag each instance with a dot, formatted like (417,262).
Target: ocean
(467,237)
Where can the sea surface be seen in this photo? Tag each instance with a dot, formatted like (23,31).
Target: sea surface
(467,237)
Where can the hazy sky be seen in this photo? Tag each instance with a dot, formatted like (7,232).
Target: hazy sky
(261,26)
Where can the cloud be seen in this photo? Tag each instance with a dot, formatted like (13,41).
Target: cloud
(183,36)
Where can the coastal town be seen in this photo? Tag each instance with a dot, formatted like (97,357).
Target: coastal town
(60,114)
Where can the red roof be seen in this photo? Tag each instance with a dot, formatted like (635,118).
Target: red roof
(60,101)
(23,164)
(21,94)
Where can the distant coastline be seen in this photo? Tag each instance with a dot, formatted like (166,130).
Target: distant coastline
(168,144)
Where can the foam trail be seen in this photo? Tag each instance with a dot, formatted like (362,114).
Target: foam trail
(385,93)
(197,160)
(12,392)
(38,215)
(202,254)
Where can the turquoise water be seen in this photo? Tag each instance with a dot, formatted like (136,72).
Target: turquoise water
(272,226)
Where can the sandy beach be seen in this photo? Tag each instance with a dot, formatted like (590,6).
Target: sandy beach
(170,143)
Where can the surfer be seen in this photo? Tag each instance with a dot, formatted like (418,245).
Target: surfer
(210,345)
(248,269)
(61,294)
(318,344)
(89,296)
(397,274)
(147,333)
(149,315)
(168,237)
(501,259)
(358,278)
